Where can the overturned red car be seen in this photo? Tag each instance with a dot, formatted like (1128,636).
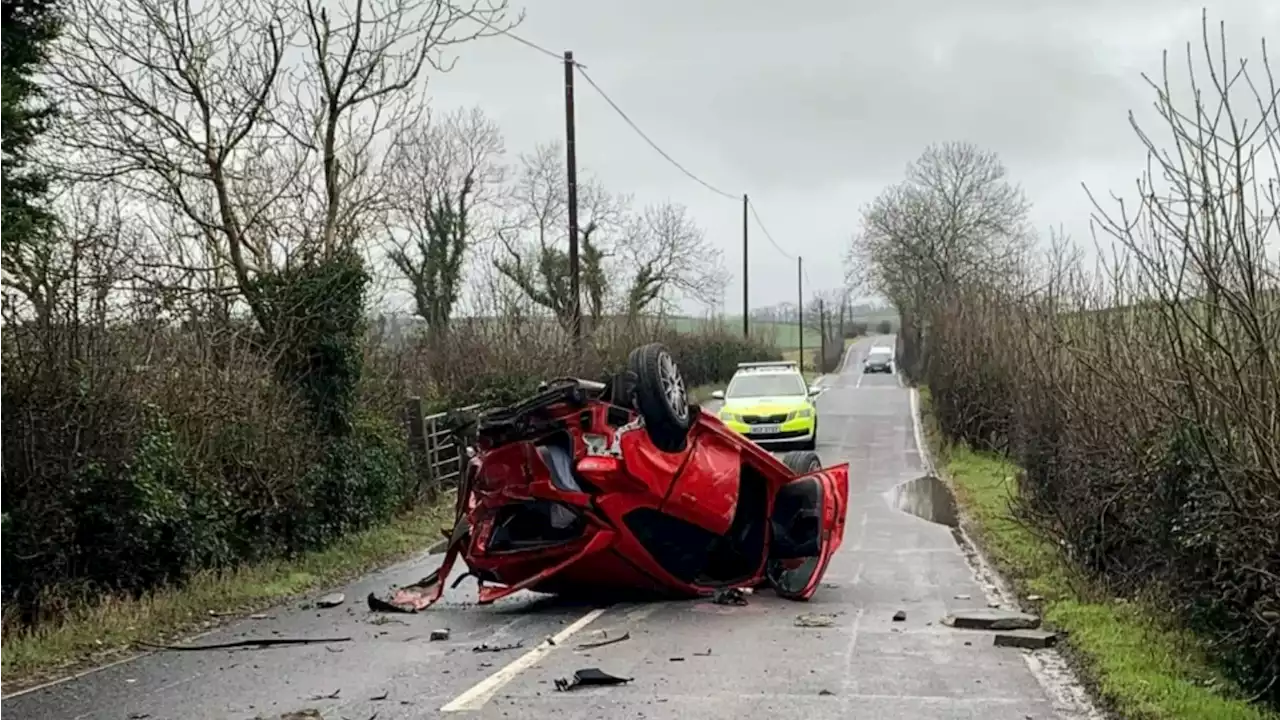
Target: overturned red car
(624,485)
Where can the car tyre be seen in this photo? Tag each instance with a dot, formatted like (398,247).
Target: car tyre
(661,396)
(802,462)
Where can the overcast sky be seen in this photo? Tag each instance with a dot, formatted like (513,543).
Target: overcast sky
(812,111)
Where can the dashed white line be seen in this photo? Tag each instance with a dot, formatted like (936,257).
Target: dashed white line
(479,694)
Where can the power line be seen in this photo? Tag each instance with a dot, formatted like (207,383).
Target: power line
(765,230)
(631,123)
(513,36)
(647,139)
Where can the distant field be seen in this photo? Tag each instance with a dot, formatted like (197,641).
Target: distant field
(783,335)
(786,336)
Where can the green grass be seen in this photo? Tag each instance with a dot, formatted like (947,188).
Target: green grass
(702,393)
(97,634)
(1139,663)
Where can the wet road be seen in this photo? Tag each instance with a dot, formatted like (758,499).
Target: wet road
(687,659)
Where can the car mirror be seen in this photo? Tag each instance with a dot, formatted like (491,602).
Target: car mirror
(814,390)
(717,395)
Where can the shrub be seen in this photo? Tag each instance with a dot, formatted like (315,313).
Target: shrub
(1165,490)
(136,456)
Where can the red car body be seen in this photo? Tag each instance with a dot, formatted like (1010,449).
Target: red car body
(568,493)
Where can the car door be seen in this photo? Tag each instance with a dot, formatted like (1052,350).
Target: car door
(807,524)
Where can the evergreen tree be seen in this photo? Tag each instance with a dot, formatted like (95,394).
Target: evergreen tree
(29,26)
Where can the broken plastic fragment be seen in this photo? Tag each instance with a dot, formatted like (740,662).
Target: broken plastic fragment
(410,598)
(729,596)
(991,619)
(815,620)
(602,643)
(589,676)
(487,648)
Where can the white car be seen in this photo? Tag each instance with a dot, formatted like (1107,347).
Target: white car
(879,359)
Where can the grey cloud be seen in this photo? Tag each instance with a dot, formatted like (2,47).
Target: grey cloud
(814,108)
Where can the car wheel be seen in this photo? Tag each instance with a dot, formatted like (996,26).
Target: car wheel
(661,396)
(802,462)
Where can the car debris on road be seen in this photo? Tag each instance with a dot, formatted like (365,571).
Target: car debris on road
(487,648)
(730,596)
(331,600)
(625,485)
(991,619)
(602,643)
(1026,639)
(815,620)
(589,676)
(251,643)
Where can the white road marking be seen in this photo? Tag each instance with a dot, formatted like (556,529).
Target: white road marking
(479,694)
(858,384)
(918,429)
(862,536)
(850,650)
(642,613)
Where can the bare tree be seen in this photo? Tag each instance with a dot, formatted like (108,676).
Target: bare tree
(668,255)
(535,257)
(446,178)
(70,277)
(954,219)
(824,301)
(250,118)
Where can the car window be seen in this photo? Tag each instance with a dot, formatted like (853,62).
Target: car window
(765,385)
(880,353)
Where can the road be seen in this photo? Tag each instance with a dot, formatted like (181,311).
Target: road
(687,659)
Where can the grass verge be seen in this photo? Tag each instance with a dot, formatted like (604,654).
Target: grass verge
(702,393)
(94,635)
(1137,661)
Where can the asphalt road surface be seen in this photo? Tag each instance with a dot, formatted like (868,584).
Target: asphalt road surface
(687,659)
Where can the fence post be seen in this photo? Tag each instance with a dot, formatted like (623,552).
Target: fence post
(420,461)
(432,462)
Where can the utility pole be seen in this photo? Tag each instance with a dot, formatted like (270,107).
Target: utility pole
(746,310)
(575,301)
(800,306)
(822,337)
